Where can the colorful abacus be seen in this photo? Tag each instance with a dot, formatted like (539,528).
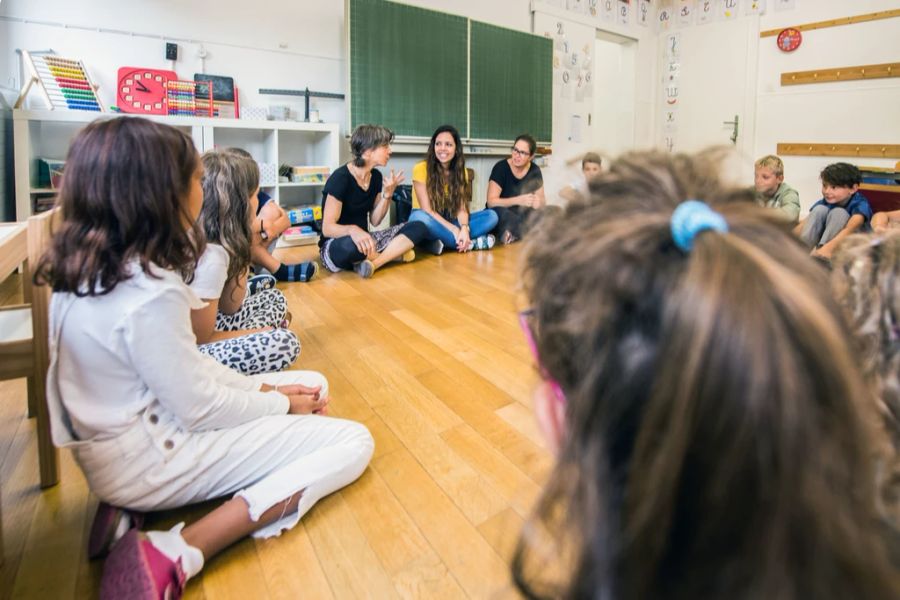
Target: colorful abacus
(65,82)
(181,99)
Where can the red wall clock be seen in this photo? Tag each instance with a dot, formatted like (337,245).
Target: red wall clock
(789,39)
(143,91)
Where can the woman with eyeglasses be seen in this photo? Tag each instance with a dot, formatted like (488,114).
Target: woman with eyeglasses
(516,190)
(713,430)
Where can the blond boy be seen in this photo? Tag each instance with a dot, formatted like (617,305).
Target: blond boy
(772,191)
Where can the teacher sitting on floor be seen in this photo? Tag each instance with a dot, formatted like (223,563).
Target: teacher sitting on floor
(442,191)
(516,190)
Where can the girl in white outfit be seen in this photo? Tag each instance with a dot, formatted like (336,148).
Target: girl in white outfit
(152,422)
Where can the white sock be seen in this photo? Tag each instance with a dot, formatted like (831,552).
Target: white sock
(172,544)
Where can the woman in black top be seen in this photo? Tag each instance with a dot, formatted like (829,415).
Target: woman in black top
(516,190)
(357,192)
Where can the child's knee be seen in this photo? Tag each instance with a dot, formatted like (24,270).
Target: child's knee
(286,343)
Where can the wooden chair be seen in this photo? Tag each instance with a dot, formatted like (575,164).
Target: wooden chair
(24,343)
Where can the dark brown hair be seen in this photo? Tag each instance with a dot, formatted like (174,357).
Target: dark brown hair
(716,441)
(448,192)
(368,137)
(123,199)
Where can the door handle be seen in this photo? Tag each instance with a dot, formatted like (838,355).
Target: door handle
(734,133)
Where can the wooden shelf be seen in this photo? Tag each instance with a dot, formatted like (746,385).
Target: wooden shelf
(845,150)
(875,16)
(881,71)
(880,187)
(302,184)
(43,191)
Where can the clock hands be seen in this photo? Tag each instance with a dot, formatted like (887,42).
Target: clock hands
(141,87)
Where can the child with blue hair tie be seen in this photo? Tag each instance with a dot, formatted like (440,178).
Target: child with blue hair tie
(712,429)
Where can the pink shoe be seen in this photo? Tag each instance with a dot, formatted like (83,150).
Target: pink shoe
(136,570)
(107,521)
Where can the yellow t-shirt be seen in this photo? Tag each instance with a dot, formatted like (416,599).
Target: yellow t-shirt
(420,174)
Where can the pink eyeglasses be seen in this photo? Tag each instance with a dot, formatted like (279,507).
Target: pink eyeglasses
(525,322)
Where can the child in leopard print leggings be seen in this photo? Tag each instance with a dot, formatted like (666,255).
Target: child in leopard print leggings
(243,326)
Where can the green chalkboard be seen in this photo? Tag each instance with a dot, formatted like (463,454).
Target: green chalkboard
(408,67)
(511,84)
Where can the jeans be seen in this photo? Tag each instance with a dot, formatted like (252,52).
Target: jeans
(480,223)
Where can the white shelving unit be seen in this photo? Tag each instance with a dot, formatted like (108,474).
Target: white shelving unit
(47,134)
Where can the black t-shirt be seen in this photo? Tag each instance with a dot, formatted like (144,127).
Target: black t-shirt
(356,203)
(510,186)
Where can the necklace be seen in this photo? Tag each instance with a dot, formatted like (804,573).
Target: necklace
(362,179)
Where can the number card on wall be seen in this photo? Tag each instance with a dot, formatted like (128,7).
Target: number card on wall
(644,15)
(624,11)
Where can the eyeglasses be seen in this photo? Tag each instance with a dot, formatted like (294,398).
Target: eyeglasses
(520,152)
(526,318)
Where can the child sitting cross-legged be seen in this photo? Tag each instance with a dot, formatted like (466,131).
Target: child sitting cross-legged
(152,422)
(242,330)
(841,211)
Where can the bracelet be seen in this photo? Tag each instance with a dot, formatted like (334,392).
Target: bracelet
(466,225)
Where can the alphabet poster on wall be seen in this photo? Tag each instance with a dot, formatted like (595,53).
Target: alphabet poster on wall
(705,11)
(643,14)
(664,16)
(685,12)
(755,7)
(729,9)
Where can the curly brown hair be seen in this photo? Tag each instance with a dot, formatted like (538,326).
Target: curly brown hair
(717,439)
(123,199)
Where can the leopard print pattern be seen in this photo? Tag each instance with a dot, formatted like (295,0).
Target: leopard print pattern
(265,308)
(382,237)
(262,352)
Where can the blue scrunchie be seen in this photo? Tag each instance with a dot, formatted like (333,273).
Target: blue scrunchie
(690,218)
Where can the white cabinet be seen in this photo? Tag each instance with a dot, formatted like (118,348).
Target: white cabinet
(47,134)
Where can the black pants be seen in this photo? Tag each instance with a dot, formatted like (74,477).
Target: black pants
(514,219)
(340,254)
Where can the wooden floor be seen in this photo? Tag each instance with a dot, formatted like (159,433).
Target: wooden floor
(430,357)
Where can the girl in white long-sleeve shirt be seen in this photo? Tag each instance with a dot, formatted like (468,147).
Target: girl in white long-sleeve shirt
(152,422)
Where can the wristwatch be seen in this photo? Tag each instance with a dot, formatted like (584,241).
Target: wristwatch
(262,231)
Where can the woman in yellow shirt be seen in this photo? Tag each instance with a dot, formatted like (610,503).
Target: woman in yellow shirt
(441,195)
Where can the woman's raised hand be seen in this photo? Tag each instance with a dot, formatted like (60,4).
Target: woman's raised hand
(391,183)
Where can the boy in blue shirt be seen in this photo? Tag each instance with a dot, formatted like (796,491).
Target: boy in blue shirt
(841,211)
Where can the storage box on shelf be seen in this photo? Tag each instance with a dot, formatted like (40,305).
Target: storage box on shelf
(43,133)
(882,187)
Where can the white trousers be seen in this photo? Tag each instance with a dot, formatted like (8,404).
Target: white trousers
(157,465)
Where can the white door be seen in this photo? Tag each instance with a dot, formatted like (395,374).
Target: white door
(612,117)
(714,84)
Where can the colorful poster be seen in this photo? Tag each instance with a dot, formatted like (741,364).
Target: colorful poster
(705,11)
(729,9)
(685,10)
(755,7)
(624,11)
(644,14)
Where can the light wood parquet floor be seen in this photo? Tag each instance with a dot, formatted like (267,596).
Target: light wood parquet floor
(430,357)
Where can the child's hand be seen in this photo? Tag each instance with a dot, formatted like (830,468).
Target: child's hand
(297,388)
(305,404)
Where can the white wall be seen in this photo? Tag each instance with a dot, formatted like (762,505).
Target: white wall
(728,61)
(865,112)
(581,30)
(289,44)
